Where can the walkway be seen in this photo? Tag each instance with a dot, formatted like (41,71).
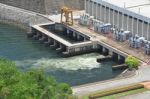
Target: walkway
(142,75)
(57,38)
(107,39)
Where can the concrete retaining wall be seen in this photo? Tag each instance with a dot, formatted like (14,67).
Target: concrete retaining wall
(44,6)
(20,16)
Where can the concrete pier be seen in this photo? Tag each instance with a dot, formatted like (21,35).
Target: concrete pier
(43,38)
(82,43)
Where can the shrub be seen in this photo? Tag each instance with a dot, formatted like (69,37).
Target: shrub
(33,84)
(132,62)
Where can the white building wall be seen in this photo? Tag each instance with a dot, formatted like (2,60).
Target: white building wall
(127,23)
(140,28)
(107,15)
(130,24)
(111,16)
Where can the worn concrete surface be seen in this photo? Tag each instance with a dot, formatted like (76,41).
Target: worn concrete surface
(20,16)
(44,6)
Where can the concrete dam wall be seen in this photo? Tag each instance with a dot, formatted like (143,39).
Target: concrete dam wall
(44,6)
(20,16)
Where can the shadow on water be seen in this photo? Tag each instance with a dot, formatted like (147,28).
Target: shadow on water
(30,54)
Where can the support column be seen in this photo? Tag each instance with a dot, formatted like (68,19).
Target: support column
(67,32)
(74,35)
(105,51)
(132,25)
(148,30)
(137,26)
(114,56)
(78,37)
(104,14)
(142,28)
(121,59)
(122,21)
(53,44)
(43,38)
(59,49)
(47,43)
(88,5)
(109,16)
(96,11)
(100,12)
(113,17)
(37,36)
(118,20)
(85,6)
(92,8)
(127,22)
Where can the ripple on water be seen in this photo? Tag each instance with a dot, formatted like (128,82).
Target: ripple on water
(30,54)
(87,61)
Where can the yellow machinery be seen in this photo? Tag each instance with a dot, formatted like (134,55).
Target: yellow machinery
(68,15)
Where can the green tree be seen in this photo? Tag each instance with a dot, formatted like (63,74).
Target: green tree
(33,84)
(132,62)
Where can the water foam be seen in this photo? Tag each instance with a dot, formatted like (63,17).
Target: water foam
(87,61)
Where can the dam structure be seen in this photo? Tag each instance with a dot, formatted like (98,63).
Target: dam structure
(44,6)
(124,14)
(72,40)
(69,42)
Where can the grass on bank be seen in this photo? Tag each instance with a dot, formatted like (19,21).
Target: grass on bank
(114,96)
(124,94)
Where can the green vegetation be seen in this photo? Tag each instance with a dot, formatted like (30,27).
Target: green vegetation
(33,84)
(132,62)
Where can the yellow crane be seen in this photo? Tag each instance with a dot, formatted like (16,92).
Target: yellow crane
(66,13)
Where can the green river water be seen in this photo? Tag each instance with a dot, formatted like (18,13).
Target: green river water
(28,54)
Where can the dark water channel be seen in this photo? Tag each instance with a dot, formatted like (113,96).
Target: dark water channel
(28,54)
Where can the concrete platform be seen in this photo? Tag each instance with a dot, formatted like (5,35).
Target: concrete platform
(122,46)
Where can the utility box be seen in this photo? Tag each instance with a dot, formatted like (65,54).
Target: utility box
(121,35)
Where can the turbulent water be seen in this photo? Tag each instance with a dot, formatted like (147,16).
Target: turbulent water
(28,54)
